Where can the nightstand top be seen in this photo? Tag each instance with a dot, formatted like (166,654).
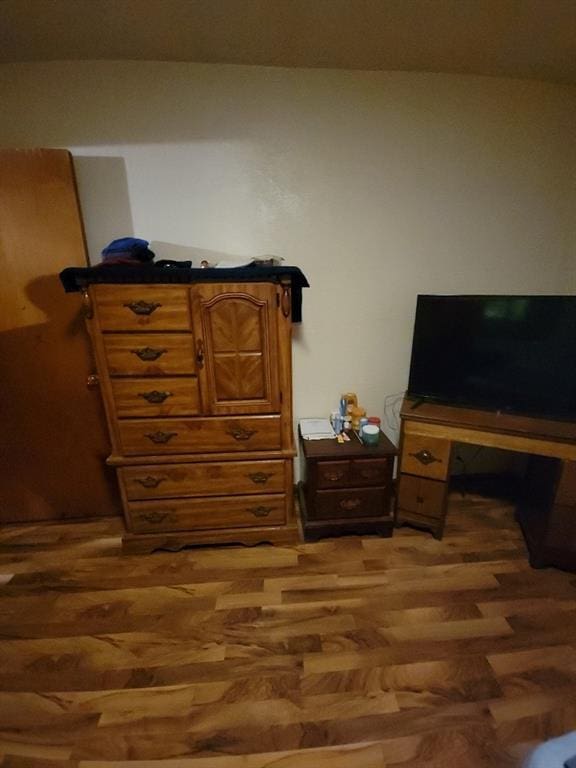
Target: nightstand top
(354,449)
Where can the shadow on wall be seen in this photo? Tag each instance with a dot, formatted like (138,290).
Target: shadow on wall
(105,199)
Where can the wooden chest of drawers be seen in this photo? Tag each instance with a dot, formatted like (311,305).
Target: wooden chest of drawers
(197,387)
(347,489)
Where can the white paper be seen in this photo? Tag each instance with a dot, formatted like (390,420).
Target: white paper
(316,429)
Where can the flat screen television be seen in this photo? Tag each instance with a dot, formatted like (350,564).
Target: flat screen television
(514,354)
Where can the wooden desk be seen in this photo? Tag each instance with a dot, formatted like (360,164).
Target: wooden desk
(547,511)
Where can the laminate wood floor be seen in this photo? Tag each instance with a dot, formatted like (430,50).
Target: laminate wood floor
(347,653)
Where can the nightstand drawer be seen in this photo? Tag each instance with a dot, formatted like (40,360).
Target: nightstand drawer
(425,456)
(371,472)
(206,513)
(149,354)
(354,503)
(142,307)
(333,474)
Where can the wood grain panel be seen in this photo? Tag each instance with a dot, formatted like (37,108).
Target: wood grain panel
(424,455)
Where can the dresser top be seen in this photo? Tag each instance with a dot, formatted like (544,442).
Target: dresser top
(78,278)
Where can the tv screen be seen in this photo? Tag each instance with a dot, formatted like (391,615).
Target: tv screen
(503,353)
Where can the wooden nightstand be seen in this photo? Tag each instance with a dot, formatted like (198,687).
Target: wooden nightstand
(346,488)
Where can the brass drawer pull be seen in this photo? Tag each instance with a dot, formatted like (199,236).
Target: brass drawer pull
(350,504)
(160,437)
(425,457)
(260,478)
(333,476)
(148,353)
(154,517)
(149,481)
(155,396)
(142,307)
(260,511)
(239,433)
(370,474)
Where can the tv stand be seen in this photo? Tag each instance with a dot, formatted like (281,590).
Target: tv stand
(547,509)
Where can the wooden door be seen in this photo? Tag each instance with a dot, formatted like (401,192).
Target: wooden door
(236,347)
(52,427)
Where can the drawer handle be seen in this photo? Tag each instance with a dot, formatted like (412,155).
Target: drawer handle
(333,476)
(260,511)
(239,433)
(370,474)
(419,500)
(148,353)
(425,457)
(260,478)
(350,504)
(155,396)
(154,517)
(149,482)
(160,437)
(142,307)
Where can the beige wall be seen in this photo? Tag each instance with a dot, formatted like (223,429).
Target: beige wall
(378,185)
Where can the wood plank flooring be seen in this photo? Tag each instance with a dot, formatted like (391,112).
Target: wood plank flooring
(346,653)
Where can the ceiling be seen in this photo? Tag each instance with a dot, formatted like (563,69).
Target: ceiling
(533,39)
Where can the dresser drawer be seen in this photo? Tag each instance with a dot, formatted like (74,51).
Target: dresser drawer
(141,437)
(205,513)
(203,479)
(366,472)
(425,456)
(149,354)
(142,307)
(359,502)
(156,397)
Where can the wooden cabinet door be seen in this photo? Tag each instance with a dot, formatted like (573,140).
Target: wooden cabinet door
(236,347)
(53,431)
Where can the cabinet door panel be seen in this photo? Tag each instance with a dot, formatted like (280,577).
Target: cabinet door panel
(236,347)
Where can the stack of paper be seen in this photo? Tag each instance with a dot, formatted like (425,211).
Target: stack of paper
(316,429)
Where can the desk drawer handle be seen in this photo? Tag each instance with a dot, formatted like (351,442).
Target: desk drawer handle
(260,511)
(142,307)
(239,433)
(148,353)
(350,504)
(333,476)
(154,517)
(260,478)
(425,457)
(149,481)
(160,437)
(155,396)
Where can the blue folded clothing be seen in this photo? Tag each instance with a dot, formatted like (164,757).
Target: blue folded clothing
(127,250)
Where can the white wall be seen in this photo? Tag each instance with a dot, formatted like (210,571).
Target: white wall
(378,185)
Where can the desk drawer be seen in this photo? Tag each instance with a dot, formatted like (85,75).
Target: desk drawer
(207,513)
(425,456)
(149,354)
(143,437)
(142,307)
(422,497)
